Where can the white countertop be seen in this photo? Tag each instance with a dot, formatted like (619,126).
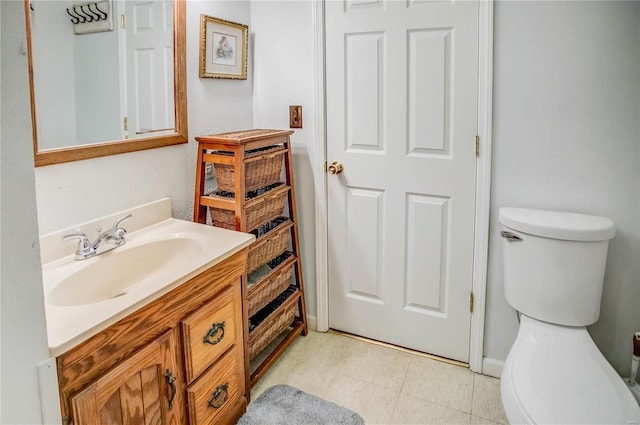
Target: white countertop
(69,325)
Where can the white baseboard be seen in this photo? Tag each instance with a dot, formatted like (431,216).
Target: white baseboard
(492,367)
(312,322)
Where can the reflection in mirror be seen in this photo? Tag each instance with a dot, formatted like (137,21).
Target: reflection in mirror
(106,77)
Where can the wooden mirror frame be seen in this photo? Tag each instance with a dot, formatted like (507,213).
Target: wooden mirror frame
(78,153)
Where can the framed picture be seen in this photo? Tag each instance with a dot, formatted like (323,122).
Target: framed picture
(223,49)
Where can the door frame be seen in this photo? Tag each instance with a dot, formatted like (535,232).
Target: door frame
(483,178)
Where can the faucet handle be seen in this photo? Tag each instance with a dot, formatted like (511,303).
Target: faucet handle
(85,248)
(118,236)
(118,232)
(121,219)
(83,240)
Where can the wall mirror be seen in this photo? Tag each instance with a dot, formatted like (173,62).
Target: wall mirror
(106,77)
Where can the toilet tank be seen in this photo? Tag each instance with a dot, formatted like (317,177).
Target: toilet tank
(554,263)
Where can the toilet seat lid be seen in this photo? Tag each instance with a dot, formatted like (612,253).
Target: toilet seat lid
(558,375)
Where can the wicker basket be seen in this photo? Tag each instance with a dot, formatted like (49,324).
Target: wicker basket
(258,173)
(262,209)
(263,292)
(276,323)
(269,246)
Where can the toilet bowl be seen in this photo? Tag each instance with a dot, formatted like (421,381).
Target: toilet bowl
(553,274)
(556,375)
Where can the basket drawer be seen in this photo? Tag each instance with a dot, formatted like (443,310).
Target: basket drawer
(258,211)
(211,330)
(217,390)
(269,246)
(267,288)
(276,318)
(262,168)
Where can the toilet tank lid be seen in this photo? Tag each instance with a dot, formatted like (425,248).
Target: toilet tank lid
(558,224)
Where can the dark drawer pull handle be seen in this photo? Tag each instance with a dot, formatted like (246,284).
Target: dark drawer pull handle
(212,333)
(171,380)
(213,401)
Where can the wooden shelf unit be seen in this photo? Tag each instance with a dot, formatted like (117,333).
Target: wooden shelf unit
(239,150)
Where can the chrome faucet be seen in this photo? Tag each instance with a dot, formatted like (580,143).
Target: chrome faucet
(106,241)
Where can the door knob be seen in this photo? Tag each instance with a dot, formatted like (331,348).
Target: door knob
(335,167)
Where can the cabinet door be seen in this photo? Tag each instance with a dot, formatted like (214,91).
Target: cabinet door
(144,389)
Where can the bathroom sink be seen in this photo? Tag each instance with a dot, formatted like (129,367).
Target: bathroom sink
(122,271)
(83,297)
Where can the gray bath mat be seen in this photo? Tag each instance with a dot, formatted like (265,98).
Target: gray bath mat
(286,405)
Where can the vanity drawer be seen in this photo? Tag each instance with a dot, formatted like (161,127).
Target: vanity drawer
(217,397)
(211,330)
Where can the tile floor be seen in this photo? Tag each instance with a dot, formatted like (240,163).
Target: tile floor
(384,385)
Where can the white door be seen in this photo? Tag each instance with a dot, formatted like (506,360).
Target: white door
(402,119)
(149,57)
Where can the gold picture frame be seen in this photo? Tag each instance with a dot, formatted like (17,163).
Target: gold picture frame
(223,48)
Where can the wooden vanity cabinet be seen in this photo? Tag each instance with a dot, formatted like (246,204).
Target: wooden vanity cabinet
(177,360)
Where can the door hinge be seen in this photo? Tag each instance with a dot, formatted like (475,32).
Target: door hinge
(123,21)
(477,146)
(125,123)
(471,302)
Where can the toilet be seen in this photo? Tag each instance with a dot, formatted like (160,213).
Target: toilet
(554,266)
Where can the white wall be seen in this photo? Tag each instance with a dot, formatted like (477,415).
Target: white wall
(22,323)
(566,137)
(283,59)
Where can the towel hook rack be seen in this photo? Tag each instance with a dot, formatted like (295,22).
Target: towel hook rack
(97,15)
